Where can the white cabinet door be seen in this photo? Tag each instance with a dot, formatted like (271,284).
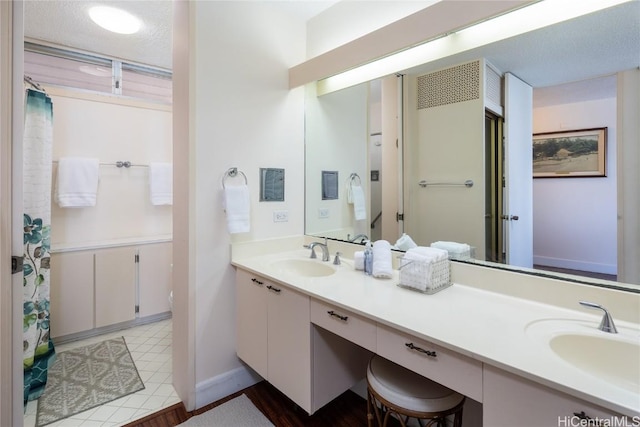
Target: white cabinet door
(71,293)
(510,400)
(115,286)
(154,278)
(251,321)
(289,343)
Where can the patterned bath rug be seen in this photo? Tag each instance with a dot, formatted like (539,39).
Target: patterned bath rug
(237,412)
(86,377)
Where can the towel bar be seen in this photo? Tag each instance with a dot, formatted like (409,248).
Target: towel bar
(468,183)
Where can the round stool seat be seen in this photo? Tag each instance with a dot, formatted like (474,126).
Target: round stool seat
(406,389)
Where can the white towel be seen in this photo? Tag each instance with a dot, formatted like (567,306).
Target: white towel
(456,250)
(161,183)
(359,205)
(418,268)
(237,204)
(77,182)
(358,260)
(405,242)
(382,265)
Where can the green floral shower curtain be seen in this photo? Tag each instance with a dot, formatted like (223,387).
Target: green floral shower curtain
(37,146)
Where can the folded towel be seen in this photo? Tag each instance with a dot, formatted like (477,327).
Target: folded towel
(358,260)
(405,242)
(456,250)
(237,205)
(382,265)
(161,183)
(77,182)
(359,204)
(426,254)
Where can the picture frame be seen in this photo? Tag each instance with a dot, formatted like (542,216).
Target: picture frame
(569,154)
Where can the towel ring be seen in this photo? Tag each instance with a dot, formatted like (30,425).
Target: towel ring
(353,177)
(232,173)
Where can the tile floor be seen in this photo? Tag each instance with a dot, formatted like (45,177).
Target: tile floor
(150,347)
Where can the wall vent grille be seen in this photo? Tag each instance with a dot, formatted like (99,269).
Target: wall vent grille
(455,84)
(493,86)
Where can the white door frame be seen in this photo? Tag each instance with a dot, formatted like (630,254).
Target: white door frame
(11,107)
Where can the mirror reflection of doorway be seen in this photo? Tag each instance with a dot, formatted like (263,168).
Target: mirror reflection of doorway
(494,186)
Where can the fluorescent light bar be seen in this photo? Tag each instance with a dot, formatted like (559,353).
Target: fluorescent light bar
(520,21)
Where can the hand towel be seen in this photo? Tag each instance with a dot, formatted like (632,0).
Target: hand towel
(405,242)
(418,268)
(358,260)
(237,205)
(359,205)
(382,265)
(77,182)
(161,183)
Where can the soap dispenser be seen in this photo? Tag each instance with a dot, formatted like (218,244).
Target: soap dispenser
(368,259)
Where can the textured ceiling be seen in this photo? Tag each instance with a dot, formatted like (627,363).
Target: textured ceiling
(67,23)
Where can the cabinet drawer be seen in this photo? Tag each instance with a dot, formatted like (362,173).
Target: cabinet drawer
(349,326)
(453,370)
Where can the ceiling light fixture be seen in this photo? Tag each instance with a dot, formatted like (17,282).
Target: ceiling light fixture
(115,20)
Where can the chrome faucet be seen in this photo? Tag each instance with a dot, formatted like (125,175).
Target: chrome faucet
(606,325)
(323,246)
(362,238)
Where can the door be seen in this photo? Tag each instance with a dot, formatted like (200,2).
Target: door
(518,170)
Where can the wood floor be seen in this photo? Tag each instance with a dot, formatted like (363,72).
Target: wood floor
(347,410)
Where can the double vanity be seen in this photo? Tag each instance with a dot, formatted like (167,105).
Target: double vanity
(520,347)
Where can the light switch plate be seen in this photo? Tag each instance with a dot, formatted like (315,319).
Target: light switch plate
(280,216)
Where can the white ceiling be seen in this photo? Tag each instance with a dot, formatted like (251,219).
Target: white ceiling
(591,46)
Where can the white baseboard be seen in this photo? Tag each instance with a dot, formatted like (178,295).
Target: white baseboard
(223,385)
(575,265)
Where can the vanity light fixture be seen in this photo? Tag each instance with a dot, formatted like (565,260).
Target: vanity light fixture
(115,20)
(535,16)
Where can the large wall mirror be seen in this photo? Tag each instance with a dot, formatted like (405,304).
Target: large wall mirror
(445,144)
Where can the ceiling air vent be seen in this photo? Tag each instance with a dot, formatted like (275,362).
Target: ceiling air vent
(455,84)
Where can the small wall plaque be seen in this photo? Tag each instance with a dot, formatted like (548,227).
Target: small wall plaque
(329,185)
(271,185)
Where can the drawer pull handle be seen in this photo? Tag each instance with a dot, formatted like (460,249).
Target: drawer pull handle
(274,289)
(254,280)
(339,316)
(421,350)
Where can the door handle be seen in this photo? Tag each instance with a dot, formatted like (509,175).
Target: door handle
(510,217)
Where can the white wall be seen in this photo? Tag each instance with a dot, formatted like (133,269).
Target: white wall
(575,219)
(234,80)
(87,125)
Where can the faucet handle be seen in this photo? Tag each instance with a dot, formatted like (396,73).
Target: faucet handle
(606,325)
(336,260)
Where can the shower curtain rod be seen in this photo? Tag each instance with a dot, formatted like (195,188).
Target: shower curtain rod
(30,81)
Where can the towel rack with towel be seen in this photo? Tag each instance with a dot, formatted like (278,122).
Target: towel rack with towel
(232,173)
(468,183)
(119,164)
(354,178)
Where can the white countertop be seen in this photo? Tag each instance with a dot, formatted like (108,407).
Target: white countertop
(488,326)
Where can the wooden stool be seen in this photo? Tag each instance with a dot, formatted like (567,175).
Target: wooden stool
(392,389)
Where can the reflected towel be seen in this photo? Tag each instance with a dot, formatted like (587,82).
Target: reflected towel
(237,205)
(161,183)
(77,182)
(359,204)
(382,265)
(456,250)
(405,242)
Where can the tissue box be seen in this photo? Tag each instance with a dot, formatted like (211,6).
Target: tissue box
(426,277)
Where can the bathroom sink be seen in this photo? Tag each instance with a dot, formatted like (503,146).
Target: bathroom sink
(613,359)
(304,267)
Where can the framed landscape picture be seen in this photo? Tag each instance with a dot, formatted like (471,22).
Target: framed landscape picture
(574,153)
